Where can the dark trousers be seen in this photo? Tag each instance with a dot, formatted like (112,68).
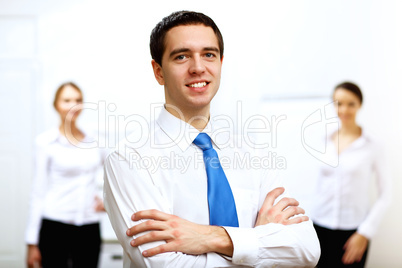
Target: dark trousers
(332,242)
(69,246)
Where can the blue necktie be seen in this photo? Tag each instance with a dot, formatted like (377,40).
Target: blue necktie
(222,207)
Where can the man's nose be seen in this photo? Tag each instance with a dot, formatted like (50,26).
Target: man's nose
(197,65)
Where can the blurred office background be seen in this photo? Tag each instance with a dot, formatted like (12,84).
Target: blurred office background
(282,60)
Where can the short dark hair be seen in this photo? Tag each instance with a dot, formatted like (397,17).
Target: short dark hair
(178,18)
(352,88)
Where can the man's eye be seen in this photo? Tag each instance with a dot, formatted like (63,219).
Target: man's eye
(181,57)
(209,55)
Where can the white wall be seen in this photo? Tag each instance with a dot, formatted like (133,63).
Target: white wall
(273,49)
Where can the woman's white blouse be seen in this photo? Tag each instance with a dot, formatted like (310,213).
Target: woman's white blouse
(64,184)
(343,192)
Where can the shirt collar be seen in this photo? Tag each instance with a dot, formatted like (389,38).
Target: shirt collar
(180,132)
(56,136)
(361,141)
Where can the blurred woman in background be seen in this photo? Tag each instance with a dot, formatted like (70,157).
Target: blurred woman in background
(343,216)
(63,228)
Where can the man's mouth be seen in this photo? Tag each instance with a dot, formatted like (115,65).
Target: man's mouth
(198,85)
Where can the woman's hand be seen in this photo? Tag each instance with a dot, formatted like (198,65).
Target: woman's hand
(354,248)
(34,258)
(99,204)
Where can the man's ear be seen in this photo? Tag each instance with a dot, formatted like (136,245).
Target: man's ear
(158,72)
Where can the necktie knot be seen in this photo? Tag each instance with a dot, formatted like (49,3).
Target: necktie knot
(203,141)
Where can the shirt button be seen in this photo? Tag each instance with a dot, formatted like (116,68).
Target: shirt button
(241,261)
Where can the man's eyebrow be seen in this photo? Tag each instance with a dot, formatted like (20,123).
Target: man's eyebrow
(215,49)
(178,50)
(181,50)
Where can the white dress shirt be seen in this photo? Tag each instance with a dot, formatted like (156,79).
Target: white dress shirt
(343,192)
(167,172)
(64,184)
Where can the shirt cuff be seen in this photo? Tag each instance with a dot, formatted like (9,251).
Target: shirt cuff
(245,245)
(365,231)
(31,237)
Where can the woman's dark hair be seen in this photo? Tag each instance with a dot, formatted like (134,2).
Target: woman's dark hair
(60,89)
(352,88)
(157,40)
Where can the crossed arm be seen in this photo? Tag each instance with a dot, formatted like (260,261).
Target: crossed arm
(159,239)
(195,239)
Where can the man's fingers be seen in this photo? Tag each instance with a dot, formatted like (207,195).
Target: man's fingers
(154,221)
(297,219)
(286,202)
(150,237)
(168,247)
(146,226)
(289,213)
(276,192)
(153,214)
(292,211)
(270,198)
(282,211)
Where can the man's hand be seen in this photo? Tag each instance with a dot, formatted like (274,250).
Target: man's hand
(34,258)
(180,235)
(281,212)
(354,248)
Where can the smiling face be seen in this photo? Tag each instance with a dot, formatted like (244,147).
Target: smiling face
(191,68)
(348,105)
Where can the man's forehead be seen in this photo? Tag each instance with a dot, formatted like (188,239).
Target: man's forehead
(189,35)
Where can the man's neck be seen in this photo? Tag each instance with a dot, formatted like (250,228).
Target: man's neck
(198,118)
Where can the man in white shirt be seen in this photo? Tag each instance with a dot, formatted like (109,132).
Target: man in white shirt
(164,180)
